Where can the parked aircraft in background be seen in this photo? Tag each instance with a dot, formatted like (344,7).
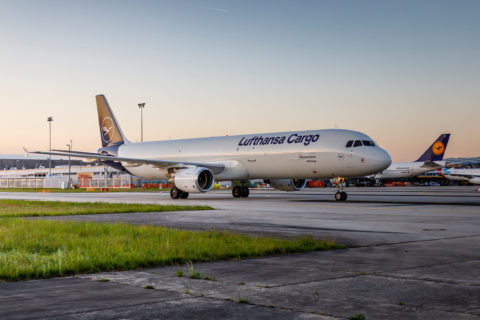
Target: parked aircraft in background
(431,159)
(284,159)
(470,175)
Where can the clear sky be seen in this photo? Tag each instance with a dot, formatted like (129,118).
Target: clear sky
(401,71)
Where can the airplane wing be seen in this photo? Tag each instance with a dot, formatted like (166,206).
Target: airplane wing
(75,152)
(431,164)
(161,164)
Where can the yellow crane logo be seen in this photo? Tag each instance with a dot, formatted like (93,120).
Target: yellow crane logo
(438,148)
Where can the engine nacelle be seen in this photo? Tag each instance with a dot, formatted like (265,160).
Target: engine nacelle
(288,184)
(194,179)
(474,180)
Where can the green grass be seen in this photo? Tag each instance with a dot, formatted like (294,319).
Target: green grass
(193,272)
(24,208)
(41,248)
(179,273)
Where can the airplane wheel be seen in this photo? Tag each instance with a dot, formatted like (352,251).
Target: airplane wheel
(237,192)
(339,196)
(183,195)
(175,193)
(245,192)
(344,196)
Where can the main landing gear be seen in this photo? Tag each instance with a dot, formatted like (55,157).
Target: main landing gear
(340,195)
(176,193)
(240,192)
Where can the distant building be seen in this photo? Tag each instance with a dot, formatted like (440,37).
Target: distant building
(473,162)
(34,173)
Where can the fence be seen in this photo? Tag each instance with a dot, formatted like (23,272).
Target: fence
(22,182)
(62,182)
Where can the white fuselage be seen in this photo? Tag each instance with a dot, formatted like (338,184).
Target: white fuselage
(470,175)
(301,154)
(402,170)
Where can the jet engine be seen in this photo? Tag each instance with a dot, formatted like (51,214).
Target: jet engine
(194,179)
(287,184)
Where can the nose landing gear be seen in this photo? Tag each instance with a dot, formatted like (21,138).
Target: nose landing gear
(340,195)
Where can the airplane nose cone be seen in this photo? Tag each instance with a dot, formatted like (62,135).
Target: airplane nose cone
(383,160)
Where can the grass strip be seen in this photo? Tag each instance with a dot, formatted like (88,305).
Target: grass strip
(27,208)
(40,248)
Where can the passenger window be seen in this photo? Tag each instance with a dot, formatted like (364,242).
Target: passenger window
(357,143)
(349,144)
(368,143)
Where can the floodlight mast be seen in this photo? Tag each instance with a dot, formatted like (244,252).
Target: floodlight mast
(69,145)
(50,120)
(141,106)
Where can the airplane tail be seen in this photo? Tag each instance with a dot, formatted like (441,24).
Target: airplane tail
(110,132)
(436,151)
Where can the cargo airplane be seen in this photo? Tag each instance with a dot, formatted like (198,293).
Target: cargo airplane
(284,159)
(430,160)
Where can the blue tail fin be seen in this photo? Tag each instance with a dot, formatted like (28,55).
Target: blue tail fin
(436,151)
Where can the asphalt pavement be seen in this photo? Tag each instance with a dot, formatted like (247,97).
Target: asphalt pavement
(413,254)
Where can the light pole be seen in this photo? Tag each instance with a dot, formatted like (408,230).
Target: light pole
(141,106)
(69,145)
(50,119)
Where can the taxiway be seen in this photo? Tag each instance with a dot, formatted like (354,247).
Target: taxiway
(413,254)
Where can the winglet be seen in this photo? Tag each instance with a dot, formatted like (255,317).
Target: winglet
(26,152)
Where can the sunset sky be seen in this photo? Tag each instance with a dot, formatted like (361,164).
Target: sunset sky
(402,72)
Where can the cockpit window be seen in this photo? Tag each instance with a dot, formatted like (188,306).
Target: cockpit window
(358,143)
(368,143)
(349,144)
